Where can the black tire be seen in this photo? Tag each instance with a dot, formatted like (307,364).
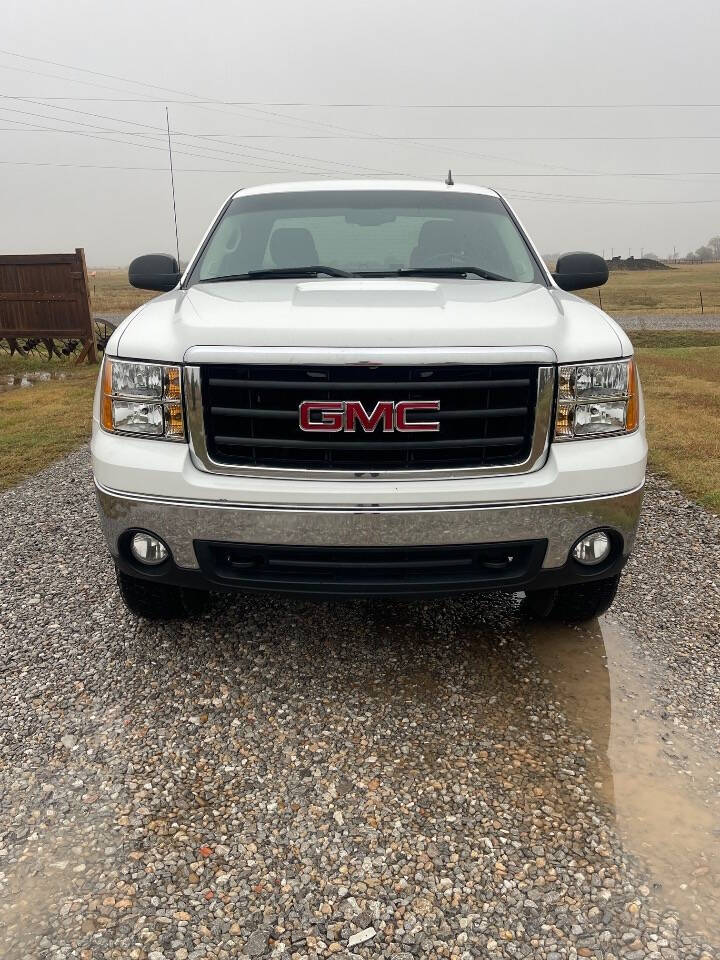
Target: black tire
(160,601)
(574,603)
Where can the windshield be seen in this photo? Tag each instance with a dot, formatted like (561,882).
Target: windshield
(367,233)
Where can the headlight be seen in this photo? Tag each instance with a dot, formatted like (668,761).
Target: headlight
(596,400)
(142,399)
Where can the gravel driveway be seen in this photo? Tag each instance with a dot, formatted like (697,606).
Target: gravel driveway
(302,780)
(661,321)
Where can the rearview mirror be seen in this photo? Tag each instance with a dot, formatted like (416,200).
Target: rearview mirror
(578,271)
(154,271)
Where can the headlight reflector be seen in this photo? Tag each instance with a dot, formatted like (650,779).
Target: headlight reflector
(143,399)
(596,399)
(142,380)
(131,416)
(593,419)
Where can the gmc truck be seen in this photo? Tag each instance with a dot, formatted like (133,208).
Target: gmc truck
(363,389)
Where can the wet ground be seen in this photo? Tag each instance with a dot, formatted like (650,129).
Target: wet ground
(366,779)
(663,793)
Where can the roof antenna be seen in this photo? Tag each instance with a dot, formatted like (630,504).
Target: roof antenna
(172,183)
(449,180)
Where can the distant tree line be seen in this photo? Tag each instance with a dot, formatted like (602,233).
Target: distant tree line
(708,251)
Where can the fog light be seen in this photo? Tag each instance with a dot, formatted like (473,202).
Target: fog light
(592,549)
(148,549)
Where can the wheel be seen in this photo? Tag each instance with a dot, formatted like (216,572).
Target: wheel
(575,603)
(160,601)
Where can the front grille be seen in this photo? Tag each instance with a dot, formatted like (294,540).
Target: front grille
(362,571)
(487,415)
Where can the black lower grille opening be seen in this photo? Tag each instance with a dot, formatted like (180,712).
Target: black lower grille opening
(486,415)
(367,570)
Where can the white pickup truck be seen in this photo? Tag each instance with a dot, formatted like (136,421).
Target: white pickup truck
(372,388)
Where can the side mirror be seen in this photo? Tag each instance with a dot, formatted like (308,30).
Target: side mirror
(155,271)
(578,271)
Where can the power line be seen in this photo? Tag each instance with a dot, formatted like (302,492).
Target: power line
(144,146)
(157,133)
(227,156)
(279,155)
(378,136)
(197,101)
(319,104)
(519,193)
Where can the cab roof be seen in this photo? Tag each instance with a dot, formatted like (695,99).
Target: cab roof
(437,186)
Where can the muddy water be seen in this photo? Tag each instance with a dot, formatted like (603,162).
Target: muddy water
(663,792)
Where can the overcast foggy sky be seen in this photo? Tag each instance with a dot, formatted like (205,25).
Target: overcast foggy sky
(394,51)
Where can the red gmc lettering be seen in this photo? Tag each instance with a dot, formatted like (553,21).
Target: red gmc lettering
(403,407)
(332,415)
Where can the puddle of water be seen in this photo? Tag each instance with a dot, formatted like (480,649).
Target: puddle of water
(13,381)
(663,791)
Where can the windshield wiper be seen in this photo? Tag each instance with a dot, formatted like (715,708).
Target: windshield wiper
(272,273)
(449,272)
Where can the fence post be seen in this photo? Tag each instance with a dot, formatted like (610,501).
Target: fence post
(702,307)
(600,297)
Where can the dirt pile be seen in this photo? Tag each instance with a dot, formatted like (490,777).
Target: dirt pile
(636,263)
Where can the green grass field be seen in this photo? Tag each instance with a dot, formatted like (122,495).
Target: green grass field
(681,384)
(110,292)
(40,423)
(676,290)
(644,291)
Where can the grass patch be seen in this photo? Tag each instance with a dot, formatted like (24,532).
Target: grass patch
(41,423)
(660,291)
(674,338)
(110,292)
(682,399)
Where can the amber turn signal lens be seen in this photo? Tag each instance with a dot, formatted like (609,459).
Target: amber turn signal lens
(106,414)
(564,420)
(632,417)
(172,383)
(174,426)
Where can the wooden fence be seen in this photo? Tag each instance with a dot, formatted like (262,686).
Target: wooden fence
(46,297)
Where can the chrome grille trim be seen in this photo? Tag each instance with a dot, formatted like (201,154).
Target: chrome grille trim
(203,461)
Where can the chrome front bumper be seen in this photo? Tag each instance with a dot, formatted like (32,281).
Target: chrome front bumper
(180,522)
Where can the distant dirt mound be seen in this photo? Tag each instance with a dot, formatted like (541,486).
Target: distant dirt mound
(636,263)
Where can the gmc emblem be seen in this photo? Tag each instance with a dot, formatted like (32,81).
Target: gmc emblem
(336,416)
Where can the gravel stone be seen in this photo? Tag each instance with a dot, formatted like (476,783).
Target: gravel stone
(257,944)
(357,938)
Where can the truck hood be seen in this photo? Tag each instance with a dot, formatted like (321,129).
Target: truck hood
(402,313)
